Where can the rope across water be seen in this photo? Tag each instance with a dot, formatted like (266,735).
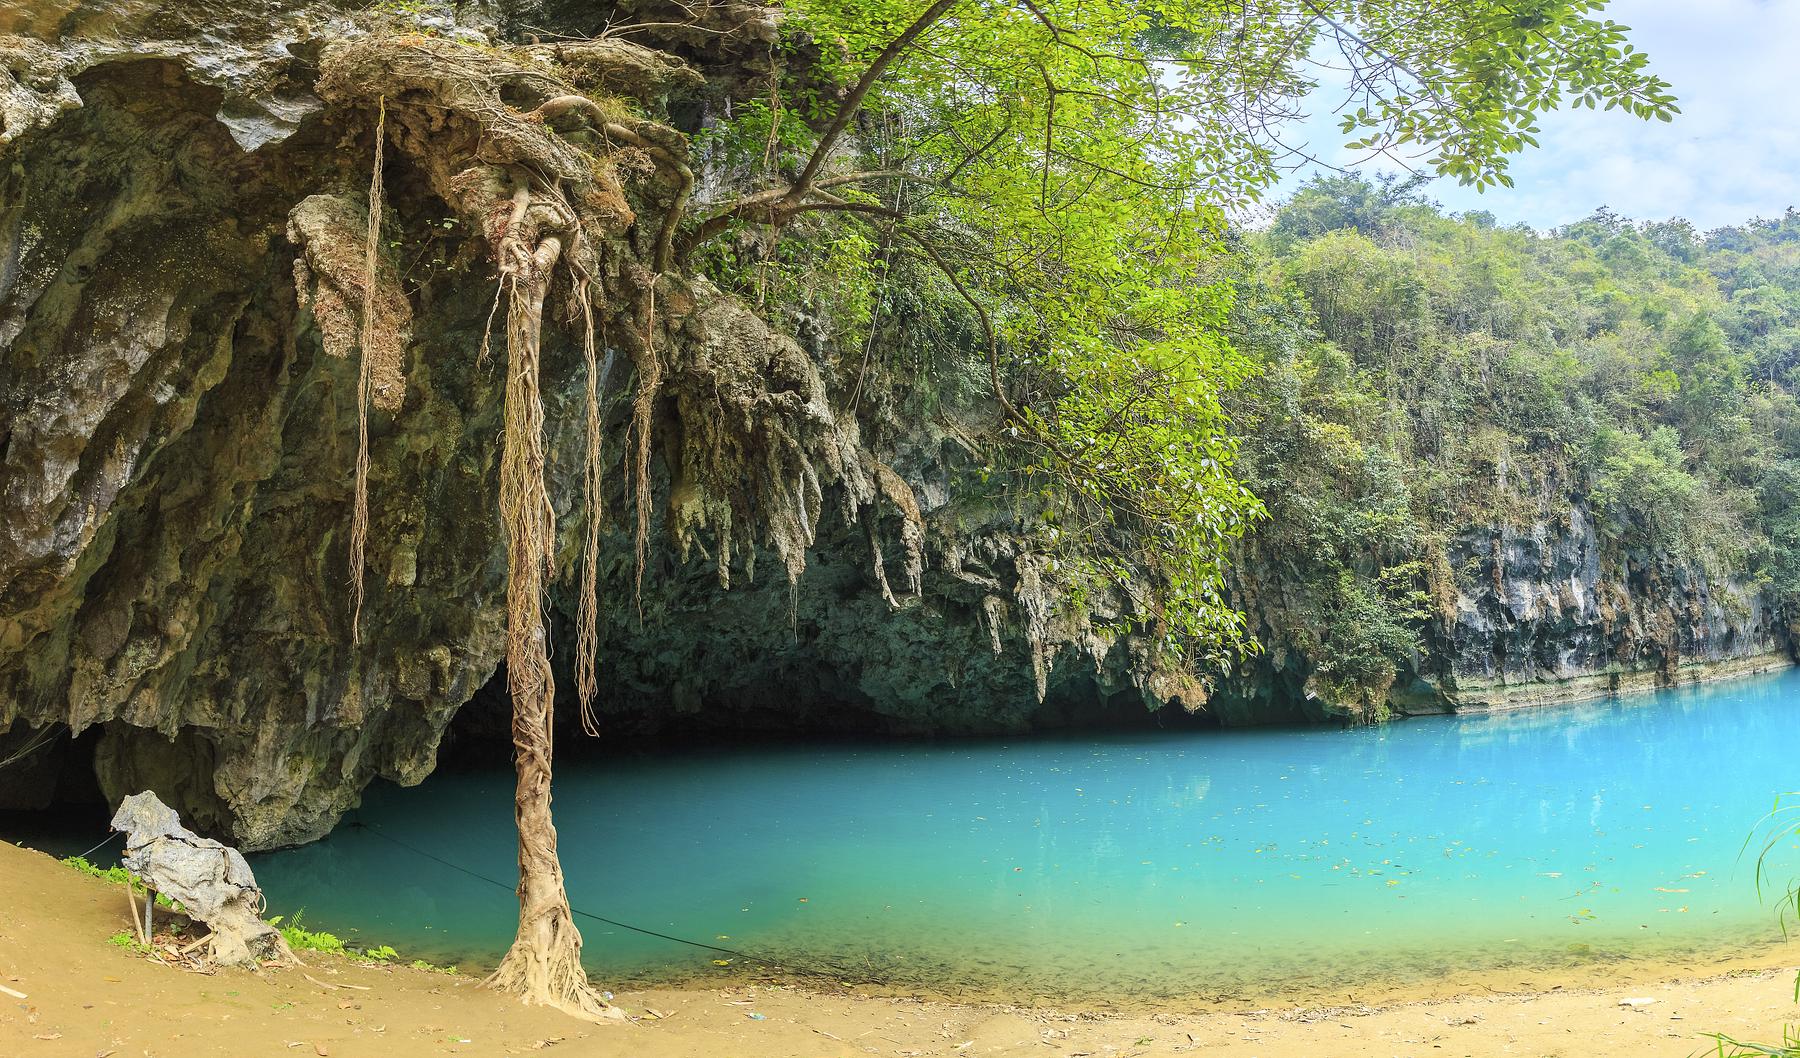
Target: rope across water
(831,972)
(834,973)
(107,840)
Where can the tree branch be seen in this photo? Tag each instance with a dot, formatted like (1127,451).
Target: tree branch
(771,205)
(847,109)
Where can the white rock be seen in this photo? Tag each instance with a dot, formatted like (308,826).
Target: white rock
(1642,1001)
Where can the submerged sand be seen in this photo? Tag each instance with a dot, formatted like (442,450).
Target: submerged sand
(90,999)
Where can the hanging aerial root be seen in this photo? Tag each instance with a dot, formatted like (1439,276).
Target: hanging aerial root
(544,963)
(643,405)
(359,517)
(587,621)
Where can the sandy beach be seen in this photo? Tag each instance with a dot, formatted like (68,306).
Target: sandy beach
(86,998)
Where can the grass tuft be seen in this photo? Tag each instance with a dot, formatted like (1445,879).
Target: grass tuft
(293,931)
(300,938)
(116,875)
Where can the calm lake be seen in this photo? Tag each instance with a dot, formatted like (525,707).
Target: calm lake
(1145,865)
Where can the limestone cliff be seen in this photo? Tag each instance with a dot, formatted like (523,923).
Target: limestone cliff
(182,207)
(180,278)
(1543,612)
(1548,612)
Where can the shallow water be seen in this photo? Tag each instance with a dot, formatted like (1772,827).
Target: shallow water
(1141,865)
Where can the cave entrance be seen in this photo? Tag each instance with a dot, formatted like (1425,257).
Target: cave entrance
(815,708)
(49,796)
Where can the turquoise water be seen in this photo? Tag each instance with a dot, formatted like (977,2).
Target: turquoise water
(1148,864)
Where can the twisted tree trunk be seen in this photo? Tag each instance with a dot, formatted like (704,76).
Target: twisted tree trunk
(544,963)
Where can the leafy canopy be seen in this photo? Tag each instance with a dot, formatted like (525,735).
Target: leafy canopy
(1070,166)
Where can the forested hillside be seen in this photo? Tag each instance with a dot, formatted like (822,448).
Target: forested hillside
(1427,383)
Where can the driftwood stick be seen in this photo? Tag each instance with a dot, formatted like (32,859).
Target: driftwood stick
(328,984)
(192,944)
(15,993)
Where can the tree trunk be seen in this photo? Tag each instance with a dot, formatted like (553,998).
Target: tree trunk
(544,963)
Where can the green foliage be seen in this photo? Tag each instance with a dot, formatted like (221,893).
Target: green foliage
(1789,1047)
(1643,480)
(1370,624)
(292,930)
(1421,376)
(1345,202)
(1776,829)
(299,938)
(116,875)
(129,941)
(421,964)
(1065,168)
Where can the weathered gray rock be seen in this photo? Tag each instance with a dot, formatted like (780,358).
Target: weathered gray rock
(212,882)
(1552,612)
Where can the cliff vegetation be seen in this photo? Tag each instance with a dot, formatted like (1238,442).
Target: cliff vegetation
(1502,463)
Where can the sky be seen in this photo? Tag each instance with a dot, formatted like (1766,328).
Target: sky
(1732,153)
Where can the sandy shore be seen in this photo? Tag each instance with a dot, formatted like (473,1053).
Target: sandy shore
(88,999)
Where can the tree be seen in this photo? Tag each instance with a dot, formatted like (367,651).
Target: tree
(1330,203)
(1068,167)
(1071,166)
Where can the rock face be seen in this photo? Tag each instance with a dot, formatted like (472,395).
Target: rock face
(178,424)
(1550,613)
(1537,614)
(177,455)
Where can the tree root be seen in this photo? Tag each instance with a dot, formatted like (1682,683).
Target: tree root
(643,405)
(755,436)
(587,621)
(546,971)
(359,519)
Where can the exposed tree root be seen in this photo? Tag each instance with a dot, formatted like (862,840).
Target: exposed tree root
(544,962)
(359,519)
(539,201)
(750,439)
(587,621)
(643,406)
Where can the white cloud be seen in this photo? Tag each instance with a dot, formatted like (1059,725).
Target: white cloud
(1733,152)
